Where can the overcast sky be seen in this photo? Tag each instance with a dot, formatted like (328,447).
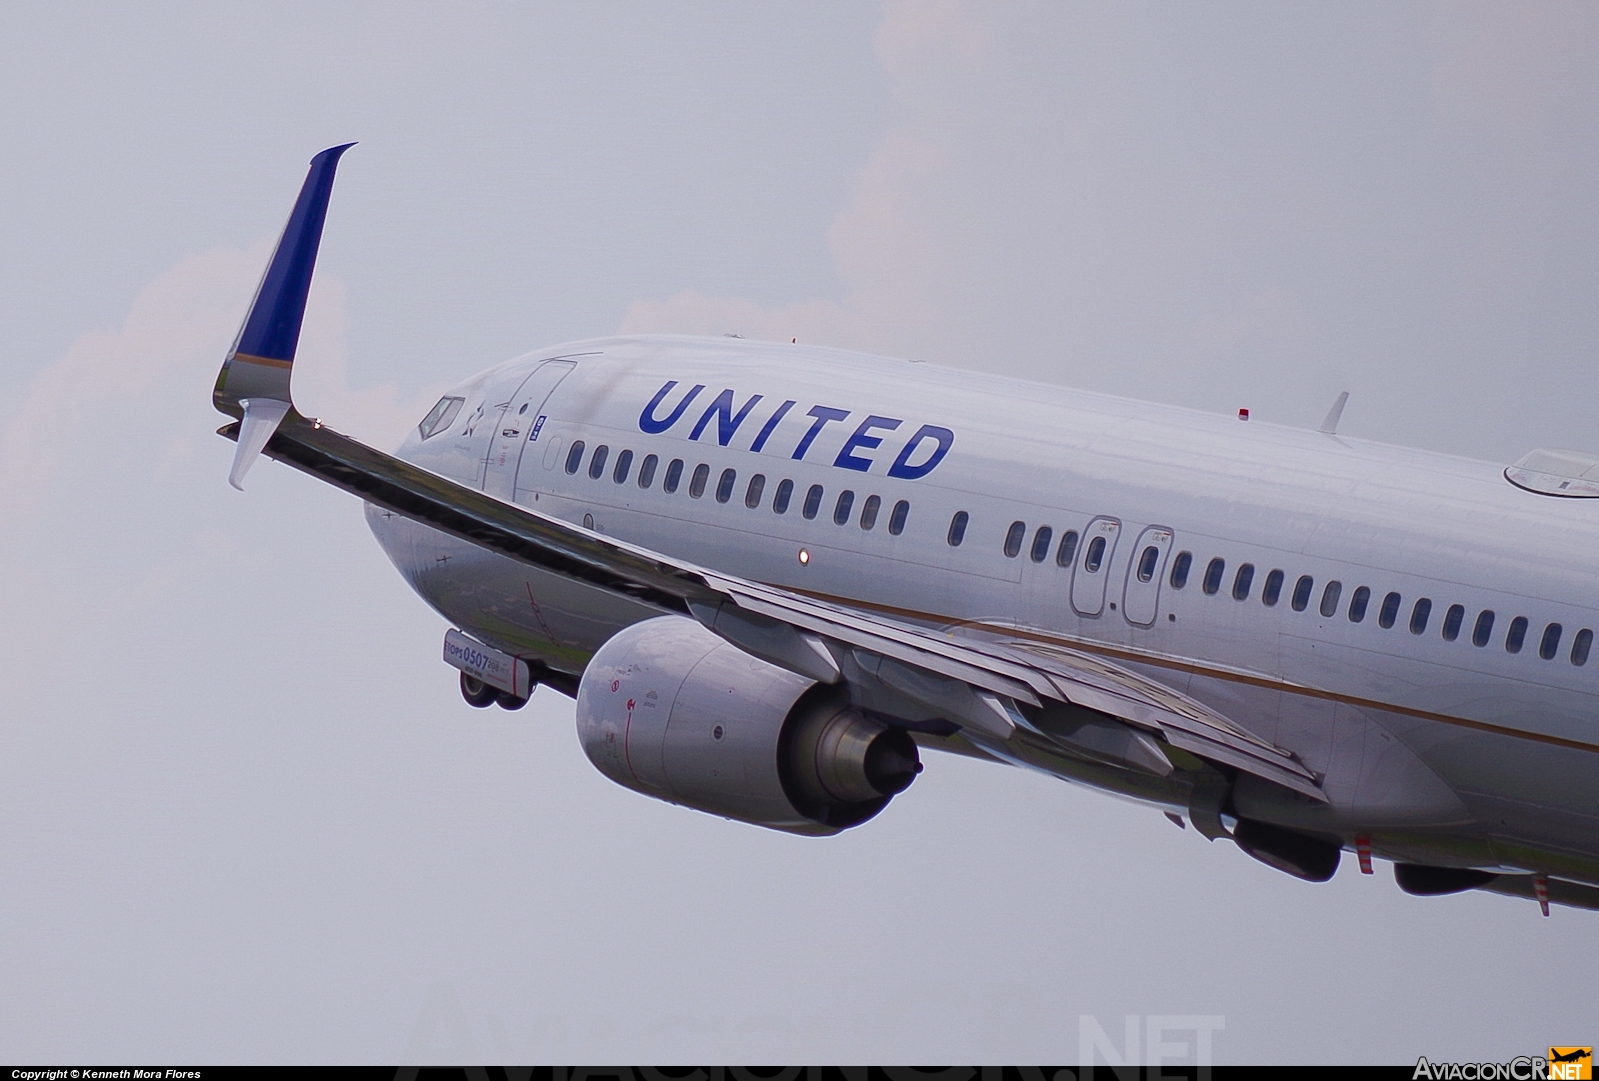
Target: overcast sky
(244,814)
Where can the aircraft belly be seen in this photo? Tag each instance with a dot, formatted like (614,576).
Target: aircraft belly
(502,602)
(1533,837)
(1530,796)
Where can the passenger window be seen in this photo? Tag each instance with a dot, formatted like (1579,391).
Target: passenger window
(1301,598)
(785,492)
(1273,590)
(646,470)
(1041,540)
(752,494)
(813,502)
(1580,646)
(597,463)
(869,511)
(1389,611)
(1484,628)
(1329,598)
(1095,556)
(846,500)
(1452,621)
(1358,603)
(1179,566)
(957,529)
(1213,573)
(624,465)
(896,520)
(1550,642)
(1013,539)
(724,485)
(1067,550)
(1242,581)
(696,483)
(1146,563)
(1419,614)
(674,476)
(1516,635)
(574,457)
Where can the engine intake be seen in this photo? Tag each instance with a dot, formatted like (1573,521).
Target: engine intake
(669,709)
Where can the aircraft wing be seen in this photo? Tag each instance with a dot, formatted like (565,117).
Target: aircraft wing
(988,688)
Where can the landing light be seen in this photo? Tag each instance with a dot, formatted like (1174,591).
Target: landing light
(804,555)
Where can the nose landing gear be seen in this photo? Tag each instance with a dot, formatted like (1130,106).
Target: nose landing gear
(477,693)
(476,660)
(481,696)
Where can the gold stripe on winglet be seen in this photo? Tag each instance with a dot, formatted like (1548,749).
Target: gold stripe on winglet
(267,361)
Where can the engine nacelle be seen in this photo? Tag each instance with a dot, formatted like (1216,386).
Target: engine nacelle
(669,709)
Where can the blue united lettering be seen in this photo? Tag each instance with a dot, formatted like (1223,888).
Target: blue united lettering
(647,420)
(726,423)
(862,450)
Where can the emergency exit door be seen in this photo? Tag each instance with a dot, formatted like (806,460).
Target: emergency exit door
(1141,595)
(1092,571)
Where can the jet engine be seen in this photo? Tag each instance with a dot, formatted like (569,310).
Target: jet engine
(668,709)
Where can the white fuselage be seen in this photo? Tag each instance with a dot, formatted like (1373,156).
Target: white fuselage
(1487,752)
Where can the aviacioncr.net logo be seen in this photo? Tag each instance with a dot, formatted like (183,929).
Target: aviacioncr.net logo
(1561,1064)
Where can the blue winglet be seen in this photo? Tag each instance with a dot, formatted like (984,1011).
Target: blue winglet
(258,365)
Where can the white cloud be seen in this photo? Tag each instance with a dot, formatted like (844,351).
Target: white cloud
(881,244)
(141,393)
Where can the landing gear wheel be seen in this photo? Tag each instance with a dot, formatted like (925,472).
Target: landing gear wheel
(510,701)
(477,693)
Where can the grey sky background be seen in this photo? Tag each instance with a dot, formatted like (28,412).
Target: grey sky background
(244,815)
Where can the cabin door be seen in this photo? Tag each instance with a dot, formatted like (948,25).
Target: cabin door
(521,423)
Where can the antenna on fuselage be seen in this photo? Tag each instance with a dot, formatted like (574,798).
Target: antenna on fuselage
(1334,415)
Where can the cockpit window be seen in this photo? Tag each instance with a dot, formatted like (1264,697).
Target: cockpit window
(440,416)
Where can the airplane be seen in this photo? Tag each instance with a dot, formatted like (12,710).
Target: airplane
(773,575)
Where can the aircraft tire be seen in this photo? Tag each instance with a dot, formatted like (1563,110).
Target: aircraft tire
(508,701)
(477,693)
